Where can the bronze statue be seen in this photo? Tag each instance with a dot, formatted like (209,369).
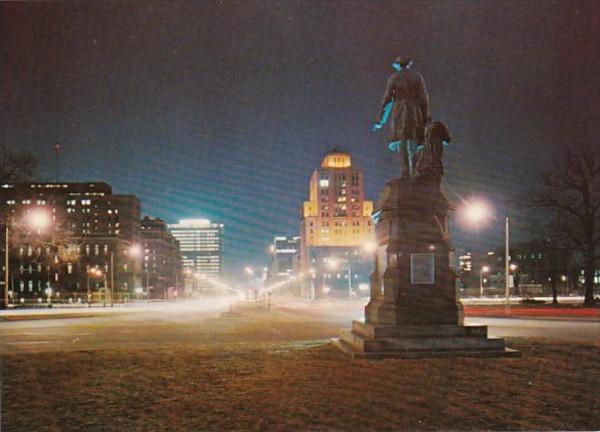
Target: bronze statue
(407,101)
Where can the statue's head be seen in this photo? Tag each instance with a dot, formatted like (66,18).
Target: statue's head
(402,62)
(437,133)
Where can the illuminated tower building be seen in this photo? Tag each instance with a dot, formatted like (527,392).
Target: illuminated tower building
(201,247)
(283,251)
(336,227)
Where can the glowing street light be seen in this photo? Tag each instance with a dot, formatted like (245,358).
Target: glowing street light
(476,212)
(39,219)
(370,247)
(249,271)
(333,263)
(136,250)
(484,269)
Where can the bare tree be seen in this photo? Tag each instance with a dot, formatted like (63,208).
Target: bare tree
(568,202)
(16,166)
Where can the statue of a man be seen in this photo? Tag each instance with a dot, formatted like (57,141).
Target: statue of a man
(407,101)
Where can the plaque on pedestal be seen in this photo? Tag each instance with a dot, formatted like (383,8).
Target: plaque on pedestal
(422,268)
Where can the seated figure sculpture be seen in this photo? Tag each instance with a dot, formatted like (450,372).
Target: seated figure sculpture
(428,163)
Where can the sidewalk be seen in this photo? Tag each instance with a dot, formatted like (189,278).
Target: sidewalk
(587,313)
(64,311)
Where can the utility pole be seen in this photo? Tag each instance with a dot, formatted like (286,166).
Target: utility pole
(349,282)
(87,273)
(112,276)
(506,261)
(56,162)
(6,264)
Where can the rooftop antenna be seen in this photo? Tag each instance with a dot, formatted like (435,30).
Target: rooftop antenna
(56,162)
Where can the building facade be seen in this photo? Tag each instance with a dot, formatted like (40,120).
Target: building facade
(283,252)
(162,276)
(84,252)
(336,229)
(201,249)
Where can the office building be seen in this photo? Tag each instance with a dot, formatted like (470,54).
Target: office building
(283,251)
(336,231)
(162,276)
(201,248)
(89,228)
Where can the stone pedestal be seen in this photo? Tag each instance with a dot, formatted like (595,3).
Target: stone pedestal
(413,311)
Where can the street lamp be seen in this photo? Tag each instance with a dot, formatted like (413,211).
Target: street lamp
(49,295)
(133,250)
(313,274)
(484,269)
(249,291)
(38,219)
(370,247)
(476,212)
(91,271)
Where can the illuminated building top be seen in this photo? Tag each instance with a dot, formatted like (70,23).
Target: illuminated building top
(336,159)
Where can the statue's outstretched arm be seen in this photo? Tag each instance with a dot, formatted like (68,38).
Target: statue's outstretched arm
(385,115)
(386,105)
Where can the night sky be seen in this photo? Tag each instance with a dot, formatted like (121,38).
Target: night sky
(223,109)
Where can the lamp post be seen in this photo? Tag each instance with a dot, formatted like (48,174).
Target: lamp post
(476,212)
(6,264)
(49,296)
(513,269)
(93,272)
(133,250)
(506,259)
(87,283)
(312,284)
(250,272)
(484,269)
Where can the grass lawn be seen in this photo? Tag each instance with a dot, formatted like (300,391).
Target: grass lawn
(291,382)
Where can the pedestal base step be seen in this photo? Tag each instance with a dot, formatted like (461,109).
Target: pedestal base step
(353,353)
(371,341)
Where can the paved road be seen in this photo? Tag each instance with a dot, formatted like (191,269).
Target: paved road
(154,324)
(197,323)
(573,330)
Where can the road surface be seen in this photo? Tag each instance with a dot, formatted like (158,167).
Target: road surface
(199,323)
